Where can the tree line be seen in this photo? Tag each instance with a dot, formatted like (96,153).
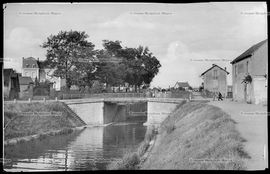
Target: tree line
(75,59)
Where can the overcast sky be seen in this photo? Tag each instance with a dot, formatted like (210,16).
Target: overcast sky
(186,38)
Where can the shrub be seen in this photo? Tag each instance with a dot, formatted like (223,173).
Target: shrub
(150,133)
(143,148)
(169,128)
(129,162)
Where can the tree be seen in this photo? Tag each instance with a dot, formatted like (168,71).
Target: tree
(141,66)
(109,69)
(64,51)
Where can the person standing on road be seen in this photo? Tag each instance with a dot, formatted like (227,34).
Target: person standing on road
(219,96)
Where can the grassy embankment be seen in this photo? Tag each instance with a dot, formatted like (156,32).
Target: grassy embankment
(196,136)
(18,123)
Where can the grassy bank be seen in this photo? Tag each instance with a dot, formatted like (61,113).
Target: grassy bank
(197,136)
(24,119)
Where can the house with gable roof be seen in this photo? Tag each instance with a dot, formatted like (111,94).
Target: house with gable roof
(215,79)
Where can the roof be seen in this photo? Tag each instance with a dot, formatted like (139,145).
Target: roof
(182,84)
(249,52)
(25,80)
(30,61)
(214,65)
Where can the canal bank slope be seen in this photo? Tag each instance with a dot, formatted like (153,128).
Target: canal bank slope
(200,137)
(25,119)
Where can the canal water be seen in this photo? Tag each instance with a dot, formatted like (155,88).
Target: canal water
(90,149)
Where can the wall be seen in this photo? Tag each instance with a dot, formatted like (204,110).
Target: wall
(110,110)
(90,113)
(158,111)
(30,71)
(240,69)
(260,90)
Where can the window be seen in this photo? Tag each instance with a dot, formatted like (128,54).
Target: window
(247,67)
(26,74)
(27,65)
(33,74)
(235,70)
(34,66)
(215,74)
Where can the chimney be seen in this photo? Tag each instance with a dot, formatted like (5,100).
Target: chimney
(213,64)
(225,68)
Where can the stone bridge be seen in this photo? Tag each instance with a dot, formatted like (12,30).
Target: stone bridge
(100,111)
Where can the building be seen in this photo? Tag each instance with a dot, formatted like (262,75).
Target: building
(38,70)
(24,83)
(183,85)
(26,87)
(253,63)
(11,84)
(215,79)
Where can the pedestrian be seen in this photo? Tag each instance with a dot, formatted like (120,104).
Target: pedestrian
(219,96)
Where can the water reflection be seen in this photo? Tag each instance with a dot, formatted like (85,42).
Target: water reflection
(91,149)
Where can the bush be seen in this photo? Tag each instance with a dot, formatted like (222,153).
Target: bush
(129,162)
(150,133)
(143,148)
(170,128)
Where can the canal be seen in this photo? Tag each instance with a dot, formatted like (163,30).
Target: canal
(93,148)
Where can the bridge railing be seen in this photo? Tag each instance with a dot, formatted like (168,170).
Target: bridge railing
(103,95)
(182,94)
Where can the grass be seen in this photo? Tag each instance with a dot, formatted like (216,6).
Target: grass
(130,161)
(18,125)
(200,137)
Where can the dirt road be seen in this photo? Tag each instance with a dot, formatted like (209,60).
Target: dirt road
(252,124)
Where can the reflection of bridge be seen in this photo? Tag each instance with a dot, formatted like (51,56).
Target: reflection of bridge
(103,111)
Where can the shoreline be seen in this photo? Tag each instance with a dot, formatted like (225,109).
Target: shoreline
(17,140)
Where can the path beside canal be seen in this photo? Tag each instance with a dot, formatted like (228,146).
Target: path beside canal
(252,124)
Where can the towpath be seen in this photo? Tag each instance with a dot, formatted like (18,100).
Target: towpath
(252,124)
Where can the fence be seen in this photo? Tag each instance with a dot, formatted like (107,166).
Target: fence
(182,94)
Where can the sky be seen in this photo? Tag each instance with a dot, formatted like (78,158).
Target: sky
(186,38)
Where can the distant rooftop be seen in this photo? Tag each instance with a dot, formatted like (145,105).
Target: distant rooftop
(214,65)
(29,62)
(182,84)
